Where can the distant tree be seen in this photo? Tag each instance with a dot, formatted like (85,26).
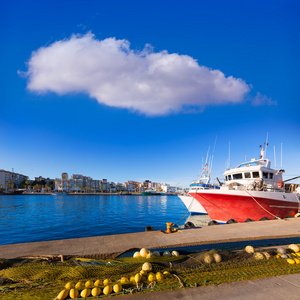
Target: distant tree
(47,188)
(10,184)
(36,187)
(27,183)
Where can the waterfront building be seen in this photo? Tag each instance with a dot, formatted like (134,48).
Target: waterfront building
(80,183)
(168,189)
(155,185)
(10,180)
(40,178)
(77,183)
(145,185)
(132,186)
(104,186)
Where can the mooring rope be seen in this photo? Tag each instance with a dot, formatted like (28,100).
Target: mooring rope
(188,210)
(276,217)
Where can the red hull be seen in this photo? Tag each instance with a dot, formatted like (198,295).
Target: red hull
(223,207)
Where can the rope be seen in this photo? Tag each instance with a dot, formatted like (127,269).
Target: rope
(187,212)
(298,203)
(276,217)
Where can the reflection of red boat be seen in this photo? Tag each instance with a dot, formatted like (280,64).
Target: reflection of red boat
(252,190)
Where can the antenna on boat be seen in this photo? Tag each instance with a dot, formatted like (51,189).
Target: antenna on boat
(274,157)
(205,168)
(281,158)
(266,144)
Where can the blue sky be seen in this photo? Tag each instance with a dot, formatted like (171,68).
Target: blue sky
(116,109)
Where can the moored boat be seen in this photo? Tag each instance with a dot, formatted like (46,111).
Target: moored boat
(150,193)
(252,190)
(59,194)
(204,182)
(193,206)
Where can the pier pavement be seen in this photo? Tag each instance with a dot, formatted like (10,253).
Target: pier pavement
(285,287)
(113,245)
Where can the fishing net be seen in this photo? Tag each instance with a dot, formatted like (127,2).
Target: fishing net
(202,268)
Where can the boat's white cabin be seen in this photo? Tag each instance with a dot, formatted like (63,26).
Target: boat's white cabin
(258,171)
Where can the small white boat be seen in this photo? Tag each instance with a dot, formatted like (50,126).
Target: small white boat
(59,194)
(194,206)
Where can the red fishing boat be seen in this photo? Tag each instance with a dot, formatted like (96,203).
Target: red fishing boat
(252,190)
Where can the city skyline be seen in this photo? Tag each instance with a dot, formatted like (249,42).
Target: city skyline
(135,91)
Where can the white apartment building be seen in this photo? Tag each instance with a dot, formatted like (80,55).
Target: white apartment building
(77,183)
(168,189)
(10,180)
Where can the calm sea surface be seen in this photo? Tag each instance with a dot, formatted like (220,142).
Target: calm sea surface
(32,218)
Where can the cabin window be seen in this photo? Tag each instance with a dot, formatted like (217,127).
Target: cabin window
(226,178)
(265,175)
(237,176)
(247,175)
(229,177)
(255,174)
(271,175)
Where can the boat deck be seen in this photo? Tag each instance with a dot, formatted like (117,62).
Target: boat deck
(113,245)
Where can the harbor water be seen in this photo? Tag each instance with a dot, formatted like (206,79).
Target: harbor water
(34,218)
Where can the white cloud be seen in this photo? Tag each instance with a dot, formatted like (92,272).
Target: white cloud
(260,99)
(109,71)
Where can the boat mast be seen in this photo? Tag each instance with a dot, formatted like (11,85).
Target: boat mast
(274,157)
(205,168)
(281,158)
(266,144)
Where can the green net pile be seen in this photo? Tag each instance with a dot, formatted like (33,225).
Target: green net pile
(31,278)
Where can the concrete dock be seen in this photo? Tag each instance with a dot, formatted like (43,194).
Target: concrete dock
(113,245)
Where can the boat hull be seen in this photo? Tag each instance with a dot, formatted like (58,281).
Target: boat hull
(194,207)
(150,194)
(240,205)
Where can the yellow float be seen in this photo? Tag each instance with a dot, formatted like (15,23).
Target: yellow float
(85,293)
(249,249)
(80,285)
(144,252)
(294,247)
(124,280)
(96,291)
(217,257)
(147,267)
(63,295)
(117,288)
(73,293)
(69,285)
(107,290)
(98,282)
(159,276)
(106,281)
(136,254)
(89,284)
(137,278)
(290,261)
(151,277)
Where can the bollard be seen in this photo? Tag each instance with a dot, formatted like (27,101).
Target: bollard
(169,227)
